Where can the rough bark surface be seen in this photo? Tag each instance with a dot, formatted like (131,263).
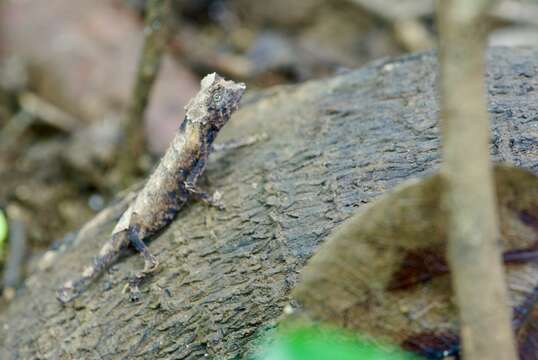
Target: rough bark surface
(334,145)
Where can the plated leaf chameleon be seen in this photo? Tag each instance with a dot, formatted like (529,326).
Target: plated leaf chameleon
(169,187)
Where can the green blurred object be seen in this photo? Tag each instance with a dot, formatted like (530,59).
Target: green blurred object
(315,343)
(3,234)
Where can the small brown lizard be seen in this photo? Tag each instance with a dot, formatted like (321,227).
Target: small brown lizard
(170,186)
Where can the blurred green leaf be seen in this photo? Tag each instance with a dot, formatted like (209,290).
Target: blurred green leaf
(324,344)
(3,233)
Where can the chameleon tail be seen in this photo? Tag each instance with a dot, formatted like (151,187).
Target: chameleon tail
(107,256)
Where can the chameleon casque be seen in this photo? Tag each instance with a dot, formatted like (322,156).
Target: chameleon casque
(169,187)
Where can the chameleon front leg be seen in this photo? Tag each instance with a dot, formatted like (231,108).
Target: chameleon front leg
(198,194)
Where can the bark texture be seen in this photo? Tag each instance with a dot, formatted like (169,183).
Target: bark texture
(334,145)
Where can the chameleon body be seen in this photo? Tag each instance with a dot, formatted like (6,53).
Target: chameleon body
(170,186)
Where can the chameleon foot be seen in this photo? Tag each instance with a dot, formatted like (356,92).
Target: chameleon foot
(67,293)
(200,195)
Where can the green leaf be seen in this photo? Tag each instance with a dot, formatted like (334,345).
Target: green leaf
(322,344)
(3,233)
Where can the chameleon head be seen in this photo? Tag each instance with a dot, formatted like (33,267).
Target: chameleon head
(215,102)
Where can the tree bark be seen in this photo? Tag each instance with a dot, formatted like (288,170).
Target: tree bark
(335,144)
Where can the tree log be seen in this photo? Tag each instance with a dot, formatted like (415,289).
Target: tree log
(334,145)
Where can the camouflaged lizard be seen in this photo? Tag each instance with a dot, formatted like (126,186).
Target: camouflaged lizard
(169,187)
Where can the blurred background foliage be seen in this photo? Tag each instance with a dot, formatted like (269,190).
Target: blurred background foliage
(66,70)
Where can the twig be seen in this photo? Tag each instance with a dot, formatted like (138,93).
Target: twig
(47,112)
(413,35)
(469,198)
(15,260)
(155,39)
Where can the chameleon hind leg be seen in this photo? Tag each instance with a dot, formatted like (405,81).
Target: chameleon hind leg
(150,262)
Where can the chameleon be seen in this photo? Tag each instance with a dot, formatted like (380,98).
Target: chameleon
(171,185)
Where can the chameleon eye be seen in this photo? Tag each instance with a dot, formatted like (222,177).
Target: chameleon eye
(217,98)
